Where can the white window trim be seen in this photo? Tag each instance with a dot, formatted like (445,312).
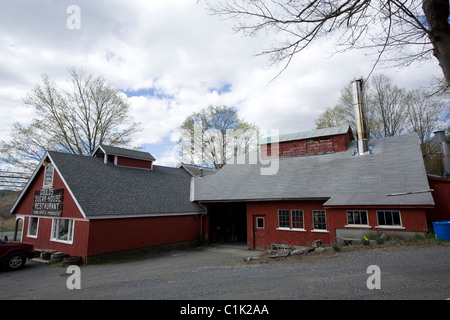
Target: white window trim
(289,229)
(290,221)
(366,226)
(355,225)
(384,226)
(53,239)
(390,227)
(289,217)
(303,220)
(37,228)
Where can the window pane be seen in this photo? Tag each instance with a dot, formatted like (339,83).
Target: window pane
(319,219)
(381,220)
(388,217)
(48,176)
(356,217)
(283,218)
(63,229)
(350,217)
(364,217)
(55,228)
(396,218)
(297,219)
(32,227)
(260,223)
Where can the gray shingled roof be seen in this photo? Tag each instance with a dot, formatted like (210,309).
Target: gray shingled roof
(105,190)
(342,179)
(136,154)
(197,171)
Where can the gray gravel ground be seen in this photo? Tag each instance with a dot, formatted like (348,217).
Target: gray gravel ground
(219,273)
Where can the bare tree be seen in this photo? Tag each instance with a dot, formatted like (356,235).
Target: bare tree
(214,135)
(389,105)
(74,119)
(412,30)
(424,114)
(389,110)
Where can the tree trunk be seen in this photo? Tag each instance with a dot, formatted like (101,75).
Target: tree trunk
(437,13)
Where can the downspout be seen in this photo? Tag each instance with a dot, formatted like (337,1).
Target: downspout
(444,146)
(201,220)
(192,198)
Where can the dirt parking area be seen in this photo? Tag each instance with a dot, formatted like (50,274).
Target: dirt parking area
(235,273)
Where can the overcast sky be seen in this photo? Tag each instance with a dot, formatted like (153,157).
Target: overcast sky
(171,58)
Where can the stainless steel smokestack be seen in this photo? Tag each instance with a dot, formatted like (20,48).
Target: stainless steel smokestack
(361,128)
(445,152)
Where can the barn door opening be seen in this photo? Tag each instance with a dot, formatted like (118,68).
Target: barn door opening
(228,222)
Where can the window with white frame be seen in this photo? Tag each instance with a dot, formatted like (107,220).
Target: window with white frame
(290,219)
(62,230)
(357,217)
(260,222)
(319,220)
(389,218)
(283,218)
(33,225)
(297,219)
(48,175)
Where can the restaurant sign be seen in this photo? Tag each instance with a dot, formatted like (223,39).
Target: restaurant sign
(48,202)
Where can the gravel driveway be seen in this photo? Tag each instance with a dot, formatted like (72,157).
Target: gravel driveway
(218,272)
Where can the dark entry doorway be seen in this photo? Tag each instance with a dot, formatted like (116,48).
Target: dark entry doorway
(228,222)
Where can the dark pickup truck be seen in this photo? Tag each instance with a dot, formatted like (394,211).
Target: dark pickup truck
(13,255)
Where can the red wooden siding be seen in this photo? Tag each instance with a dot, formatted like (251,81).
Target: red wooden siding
(308,147)
(42,241)
(135,163)
(110,235)
(441,196)
(413,219)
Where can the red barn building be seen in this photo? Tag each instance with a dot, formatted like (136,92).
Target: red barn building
(321,190)
(316,187)
(113,201)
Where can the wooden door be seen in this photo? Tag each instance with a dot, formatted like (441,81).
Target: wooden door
(259,232)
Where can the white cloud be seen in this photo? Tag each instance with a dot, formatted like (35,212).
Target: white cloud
(180,56)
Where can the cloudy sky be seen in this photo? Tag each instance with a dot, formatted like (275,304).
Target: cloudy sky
(171,59)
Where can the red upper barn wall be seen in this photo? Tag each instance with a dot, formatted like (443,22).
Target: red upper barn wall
(134,163)
(125,157)
(292,145)
(441,195)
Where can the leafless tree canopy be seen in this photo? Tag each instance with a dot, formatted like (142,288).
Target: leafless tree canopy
(215,134)
(407,30)
(75,118)
(390,110)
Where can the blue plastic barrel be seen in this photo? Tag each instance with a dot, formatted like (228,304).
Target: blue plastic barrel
(442,230)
